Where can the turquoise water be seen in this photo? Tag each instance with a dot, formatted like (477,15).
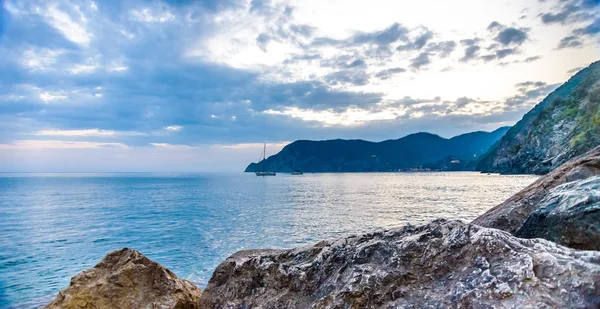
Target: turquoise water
(53,226)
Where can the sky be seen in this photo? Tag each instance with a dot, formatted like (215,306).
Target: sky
(187,86)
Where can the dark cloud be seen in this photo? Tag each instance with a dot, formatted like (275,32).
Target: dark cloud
(532,58)
(591,29)
(511,35)
(421,60)
(353,77)
(262,40)
(575,70)
(462,102)
(302,57)
(560,17)
(488,57)
(470,42)
(385,74)
(571,11)
(495,26)
(530,93)
(530,84)
(419,42)
(356,64)
(569,41)
(444,49)
(471,52)
(382,39)
(505,52)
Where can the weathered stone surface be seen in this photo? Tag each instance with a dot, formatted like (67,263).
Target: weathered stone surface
(568,215)
(511,214)
(127,279)
(445,264)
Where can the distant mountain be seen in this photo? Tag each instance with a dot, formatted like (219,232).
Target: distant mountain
(564,125)
(412,151)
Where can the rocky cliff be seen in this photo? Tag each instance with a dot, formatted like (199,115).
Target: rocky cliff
(127,279)
(411,151)
(568,215)
(564,125)
(445,264)
(511,214)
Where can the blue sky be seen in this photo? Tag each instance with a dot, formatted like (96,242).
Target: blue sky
(200,85)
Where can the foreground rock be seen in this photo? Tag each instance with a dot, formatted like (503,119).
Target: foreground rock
(127,279)
(511,214)
(568,215)
(445,264)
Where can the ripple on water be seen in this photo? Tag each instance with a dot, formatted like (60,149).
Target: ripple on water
(55,225)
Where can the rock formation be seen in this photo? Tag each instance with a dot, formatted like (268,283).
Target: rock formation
(511,214)
(568,215)
(564,125)
(127,279)
(445,264)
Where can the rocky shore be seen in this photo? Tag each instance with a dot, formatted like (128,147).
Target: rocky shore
(536,250)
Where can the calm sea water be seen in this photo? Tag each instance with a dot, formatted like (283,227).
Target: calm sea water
(53,226)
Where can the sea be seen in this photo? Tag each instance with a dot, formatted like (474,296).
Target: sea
(53,226)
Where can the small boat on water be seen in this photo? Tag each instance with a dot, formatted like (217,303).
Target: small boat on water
(262,171)
(297,172)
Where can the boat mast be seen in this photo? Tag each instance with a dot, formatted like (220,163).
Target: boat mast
(262,165)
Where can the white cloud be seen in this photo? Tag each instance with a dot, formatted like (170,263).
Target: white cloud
(158,15)
(118,68)
(86,132)
(83,68)
(173,128)
(170,146)
(350,117)
(72,30)
(57,144)
(47,97)
(40,59)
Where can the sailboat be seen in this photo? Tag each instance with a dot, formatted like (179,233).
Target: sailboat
(262,171)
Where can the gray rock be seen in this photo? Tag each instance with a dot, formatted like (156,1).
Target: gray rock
(511,214)
(127,279)
(445,264)
(568,215)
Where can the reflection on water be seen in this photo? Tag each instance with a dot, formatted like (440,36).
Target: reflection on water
(54,225)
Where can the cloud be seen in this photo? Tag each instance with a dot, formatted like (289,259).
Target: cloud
(444,48)
(569,41)
(173,128)
(419,42)
(513,36)
(571,11)
(354,77)
(575,70)
(382,39)
(471,52)
(165,75)
(86,132)
(532,58)
(591,29)
(495,26)
(387,73)
(421,60)
(57,144)
(577,37)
